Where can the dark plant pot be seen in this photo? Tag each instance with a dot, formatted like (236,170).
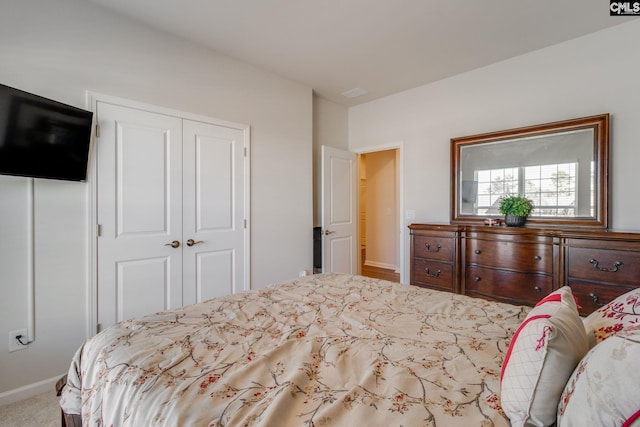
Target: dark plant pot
(514,220)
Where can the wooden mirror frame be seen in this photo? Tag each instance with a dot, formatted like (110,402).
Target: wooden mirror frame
(600,126)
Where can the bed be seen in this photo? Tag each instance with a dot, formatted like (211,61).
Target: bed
(323,350)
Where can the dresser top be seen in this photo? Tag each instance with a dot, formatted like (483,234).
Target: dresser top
(569,233)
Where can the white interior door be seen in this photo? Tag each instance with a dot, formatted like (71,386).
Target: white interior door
(139,209)
(172,210)
(339,214)
(213,159)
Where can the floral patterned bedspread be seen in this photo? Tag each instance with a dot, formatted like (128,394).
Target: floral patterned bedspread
(323,350)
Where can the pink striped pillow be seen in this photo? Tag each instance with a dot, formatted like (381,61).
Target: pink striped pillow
(541,357)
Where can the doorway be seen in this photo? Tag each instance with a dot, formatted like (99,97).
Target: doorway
(379,214)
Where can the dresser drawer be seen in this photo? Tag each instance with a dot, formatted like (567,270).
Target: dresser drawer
(438,275)
(604,265)
(433,247)
(592,296)
(508,286)
(526,257)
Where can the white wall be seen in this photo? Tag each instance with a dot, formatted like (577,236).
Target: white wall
(586,76)
(330,129)
(61,48)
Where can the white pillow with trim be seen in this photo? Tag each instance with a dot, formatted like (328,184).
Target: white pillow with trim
(542,355)
(603,389)
(623,313)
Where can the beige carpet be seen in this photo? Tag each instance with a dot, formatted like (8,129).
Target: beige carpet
(39,411)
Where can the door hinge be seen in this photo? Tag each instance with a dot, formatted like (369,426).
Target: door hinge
(98,230)
(245,151)
(98,328)
(97,130)
(245,223)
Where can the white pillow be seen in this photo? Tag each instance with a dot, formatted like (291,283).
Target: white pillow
(621,314)
(603,390)
(541,357)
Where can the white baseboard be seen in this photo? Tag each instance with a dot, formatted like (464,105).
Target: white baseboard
(29,390)
(380,265)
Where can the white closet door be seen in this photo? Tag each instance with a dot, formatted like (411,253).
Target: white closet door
(139,209)
(213,215)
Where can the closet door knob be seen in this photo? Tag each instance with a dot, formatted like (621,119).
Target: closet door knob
(192,242)
(174,244)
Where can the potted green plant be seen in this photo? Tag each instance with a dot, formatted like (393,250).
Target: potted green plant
(515,209)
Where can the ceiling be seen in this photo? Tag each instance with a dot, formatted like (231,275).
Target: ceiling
(381,46)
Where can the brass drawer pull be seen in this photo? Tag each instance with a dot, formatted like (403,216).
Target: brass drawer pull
(538,289)
(616,266)
(428,247)
(537,257)
(596,299)
(437,273)
(477,278)
(477,252)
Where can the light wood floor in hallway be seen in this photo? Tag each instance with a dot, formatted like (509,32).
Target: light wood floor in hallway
(377,272)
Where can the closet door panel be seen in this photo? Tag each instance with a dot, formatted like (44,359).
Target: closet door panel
(139,210)
(213,192)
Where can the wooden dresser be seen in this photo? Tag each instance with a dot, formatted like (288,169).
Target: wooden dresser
(522,265)
(435,252)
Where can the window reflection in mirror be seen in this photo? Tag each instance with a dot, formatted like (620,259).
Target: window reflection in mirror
(544,169)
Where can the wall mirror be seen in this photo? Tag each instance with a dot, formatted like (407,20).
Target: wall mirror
(561,166)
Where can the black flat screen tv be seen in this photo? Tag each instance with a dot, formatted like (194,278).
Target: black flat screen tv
(43,138)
